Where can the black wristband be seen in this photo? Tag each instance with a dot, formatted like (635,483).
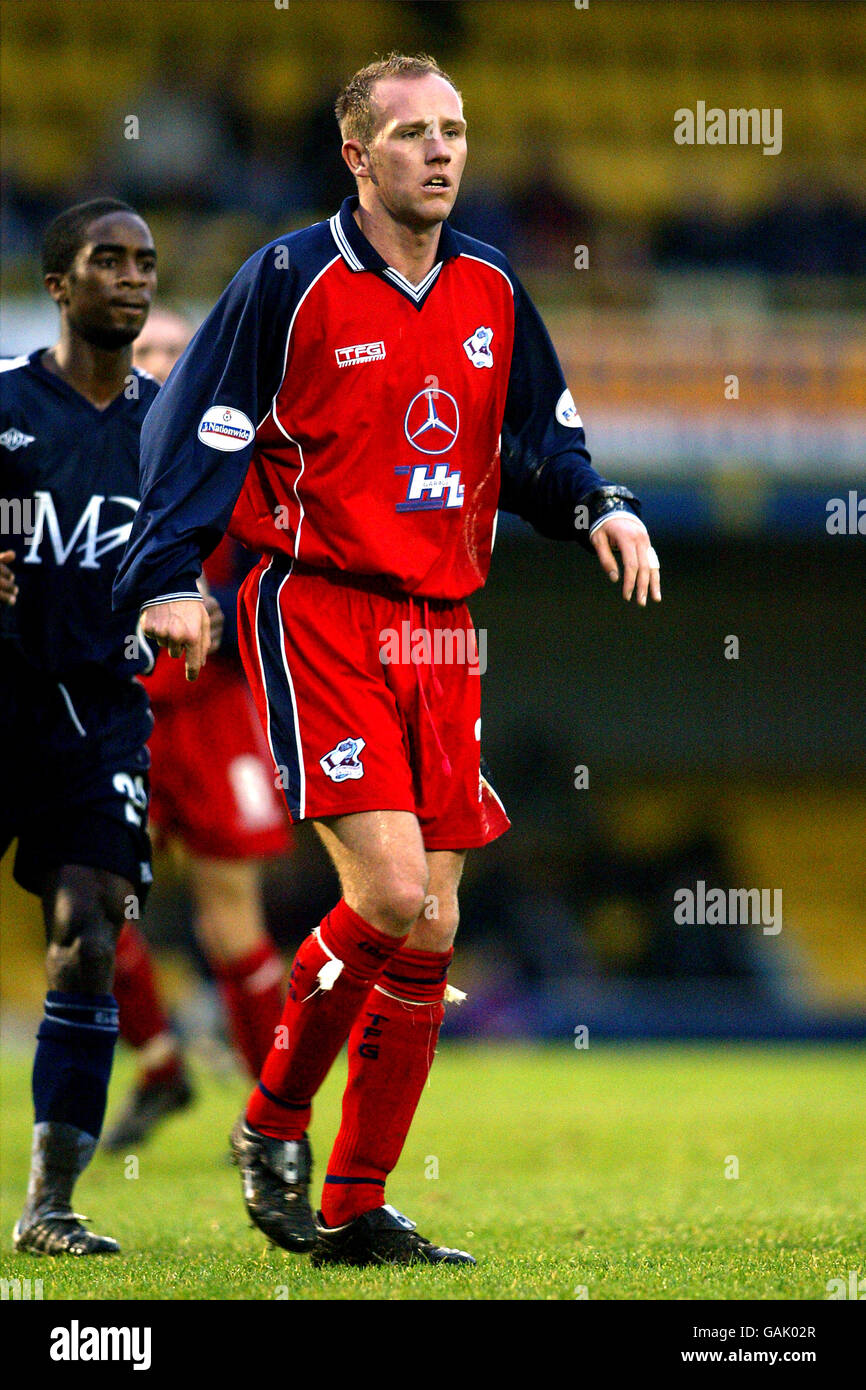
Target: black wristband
(604,500)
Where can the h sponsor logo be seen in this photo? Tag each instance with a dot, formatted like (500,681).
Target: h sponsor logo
(429,491)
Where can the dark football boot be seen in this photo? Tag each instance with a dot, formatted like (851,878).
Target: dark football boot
(147,1106)
(48,1225)
(275,1177)
(60,1233)
(383,1236)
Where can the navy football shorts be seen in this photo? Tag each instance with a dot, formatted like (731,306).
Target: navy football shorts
(74,765)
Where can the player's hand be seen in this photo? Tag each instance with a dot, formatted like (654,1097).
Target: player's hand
(8,587)
(217,623)
(626,533)
(182,625)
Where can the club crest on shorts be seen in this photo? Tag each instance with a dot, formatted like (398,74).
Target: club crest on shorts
(343,763)
(478,347)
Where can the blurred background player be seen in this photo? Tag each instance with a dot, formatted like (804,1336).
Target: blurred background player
(73,719)
(217,798)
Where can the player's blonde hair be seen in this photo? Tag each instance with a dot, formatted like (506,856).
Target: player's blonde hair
(354,107)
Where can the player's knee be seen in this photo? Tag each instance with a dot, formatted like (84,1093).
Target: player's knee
(83,960)
(445,923)
(401,895)
(436,925)
(81,936)
(96,954)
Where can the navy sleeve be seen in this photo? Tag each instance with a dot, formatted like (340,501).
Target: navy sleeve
(219,391)
(547,476)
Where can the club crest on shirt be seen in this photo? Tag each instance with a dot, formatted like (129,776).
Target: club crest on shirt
(478,347)
(343,763)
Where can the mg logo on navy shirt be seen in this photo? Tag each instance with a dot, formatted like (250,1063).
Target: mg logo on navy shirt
(93,542)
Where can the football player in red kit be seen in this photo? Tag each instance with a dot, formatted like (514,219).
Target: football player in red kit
(363,398)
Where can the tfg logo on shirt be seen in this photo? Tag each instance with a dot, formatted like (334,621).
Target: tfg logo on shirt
(360,353)
(343,763)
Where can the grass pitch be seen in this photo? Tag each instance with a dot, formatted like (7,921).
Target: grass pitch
(603,1174)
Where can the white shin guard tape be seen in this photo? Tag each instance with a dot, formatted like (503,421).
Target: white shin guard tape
(328,973)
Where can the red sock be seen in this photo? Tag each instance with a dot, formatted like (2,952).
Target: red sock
(143,1021)
(317,1018)
(391,1049)
(251,988)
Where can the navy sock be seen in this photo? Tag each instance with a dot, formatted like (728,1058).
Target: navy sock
(73,1059)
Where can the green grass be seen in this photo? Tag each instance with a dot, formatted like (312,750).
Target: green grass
(558,1168)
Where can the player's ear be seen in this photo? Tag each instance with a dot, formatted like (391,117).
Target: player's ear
(57,287)
(357,157)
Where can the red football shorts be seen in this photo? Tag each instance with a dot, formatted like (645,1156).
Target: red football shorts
(370,700)
(212,783)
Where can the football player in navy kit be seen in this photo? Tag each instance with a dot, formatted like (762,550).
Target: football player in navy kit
(73,719)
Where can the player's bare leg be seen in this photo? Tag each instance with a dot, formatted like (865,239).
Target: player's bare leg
(162,1087)
(84,912)
(436,926)
(230,918)
(230,926)
(380,861)
(391,1047)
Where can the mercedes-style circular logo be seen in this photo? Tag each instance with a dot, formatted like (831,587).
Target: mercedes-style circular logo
(432,421)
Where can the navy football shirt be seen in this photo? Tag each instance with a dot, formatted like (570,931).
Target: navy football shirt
(69,490)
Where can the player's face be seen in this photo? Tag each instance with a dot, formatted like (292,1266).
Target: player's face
(161,343)
(108,289)
(417,154)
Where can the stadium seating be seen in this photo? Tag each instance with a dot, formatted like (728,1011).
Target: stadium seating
(600,85)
